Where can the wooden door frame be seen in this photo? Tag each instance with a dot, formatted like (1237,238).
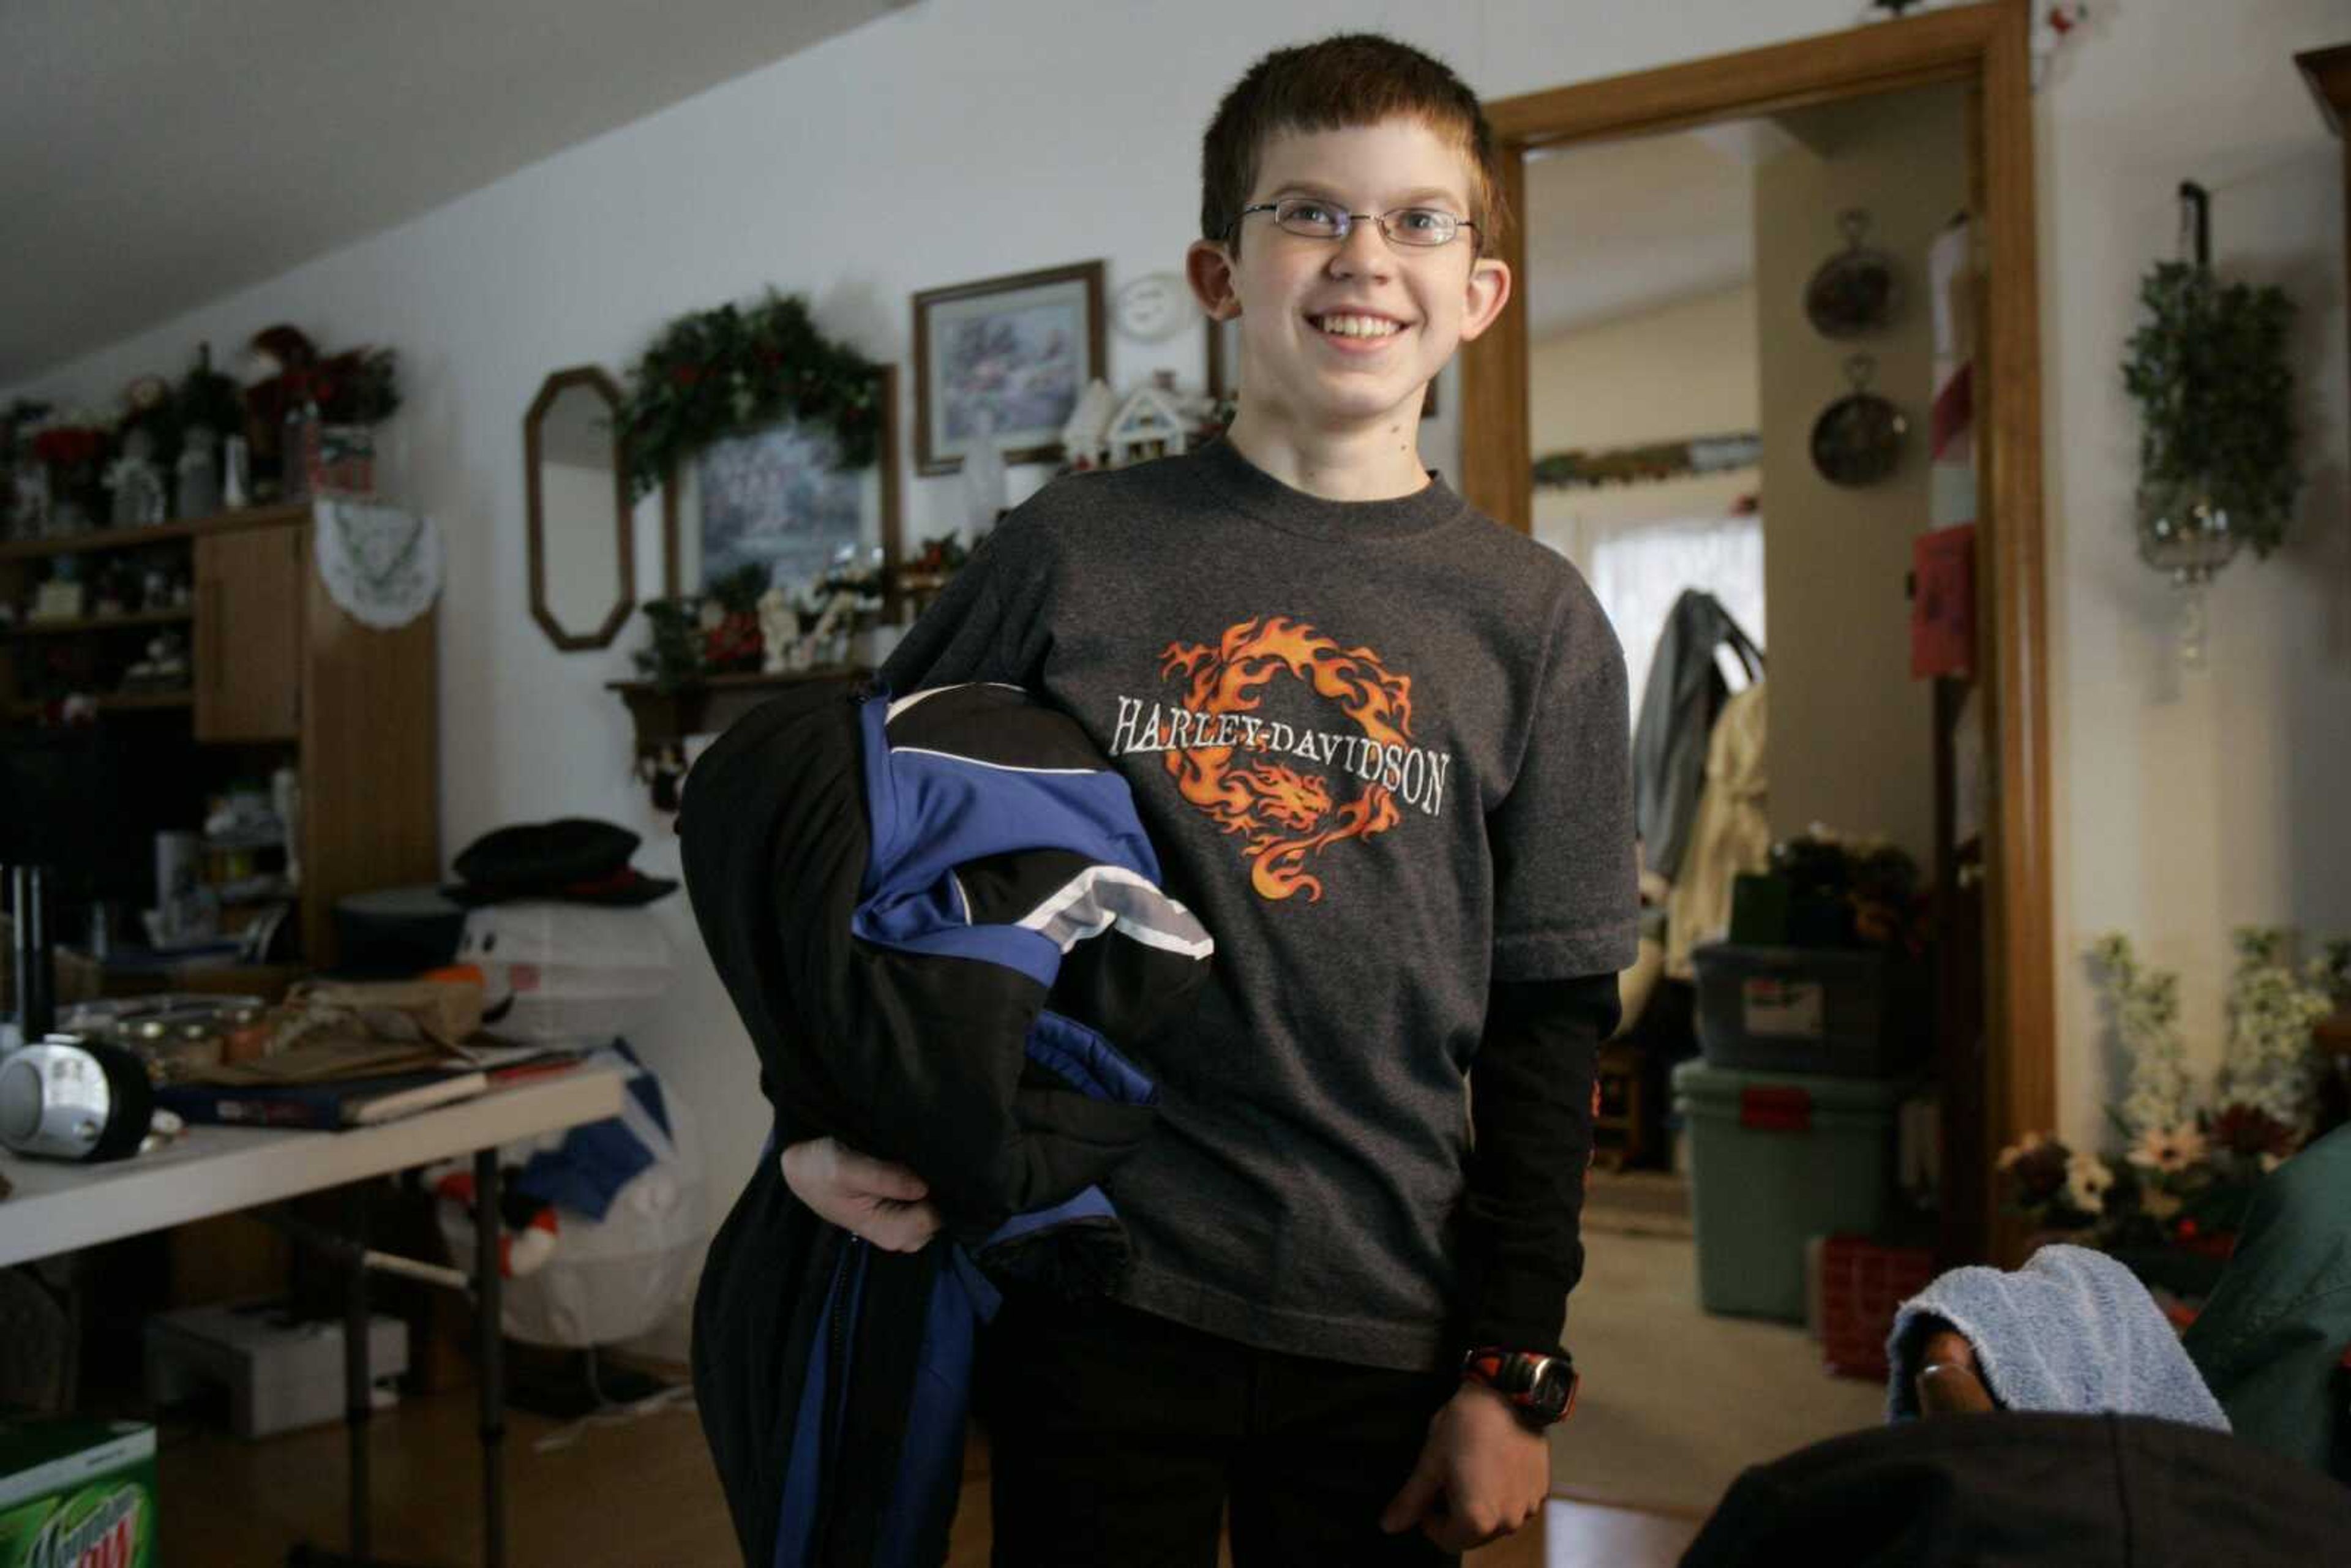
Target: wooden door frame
(1988,47)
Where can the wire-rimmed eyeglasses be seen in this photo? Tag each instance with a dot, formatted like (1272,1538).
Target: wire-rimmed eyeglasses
(1310,217)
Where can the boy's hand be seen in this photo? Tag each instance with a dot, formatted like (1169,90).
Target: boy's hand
(881,1202)
(1481,1475)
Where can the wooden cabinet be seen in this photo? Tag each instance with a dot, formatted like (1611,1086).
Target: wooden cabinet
(279,676)
(248,668)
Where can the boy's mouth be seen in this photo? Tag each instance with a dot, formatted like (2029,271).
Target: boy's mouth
(1355,325)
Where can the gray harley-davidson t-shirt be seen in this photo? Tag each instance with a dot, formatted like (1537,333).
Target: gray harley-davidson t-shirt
(1380,749)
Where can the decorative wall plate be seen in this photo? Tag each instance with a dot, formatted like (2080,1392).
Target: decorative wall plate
(1854,292)
(1858,440)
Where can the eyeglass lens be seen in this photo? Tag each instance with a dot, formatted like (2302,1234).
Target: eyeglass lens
(1314,219)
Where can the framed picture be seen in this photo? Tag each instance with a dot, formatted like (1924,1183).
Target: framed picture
(1225,366)
(773,495)
(1010,355)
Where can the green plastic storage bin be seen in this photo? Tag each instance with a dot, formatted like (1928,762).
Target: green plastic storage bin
(1777,1158)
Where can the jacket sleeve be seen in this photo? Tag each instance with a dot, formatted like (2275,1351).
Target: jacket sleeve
(1531,1093)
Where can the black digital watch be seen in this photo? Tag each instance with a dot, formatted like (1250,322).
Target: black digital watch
(1541,1389)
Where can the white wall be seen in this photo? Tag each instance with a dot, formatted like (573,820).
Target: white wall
(959,139)
(2185,804)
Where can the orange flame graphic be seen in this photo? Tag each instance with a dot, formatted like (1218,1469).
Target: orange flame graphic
(1285,816)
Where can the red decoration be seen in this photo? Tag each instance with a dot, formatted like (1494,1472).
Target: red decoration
(1943,603)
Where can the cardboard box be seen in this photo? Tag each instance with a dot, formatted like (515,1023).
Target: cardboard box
(280,1373)
(76,1491)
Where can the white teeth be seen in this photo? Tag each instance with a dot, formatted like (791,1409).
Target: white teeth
(1359,327)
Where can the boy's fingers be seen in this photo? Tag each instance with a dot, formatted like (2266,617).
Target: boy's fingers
(879,1178)
(902,1228)
(1408,1506)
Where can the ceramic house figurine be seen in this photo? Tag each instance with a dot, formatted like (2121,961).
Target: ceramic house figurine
(1150,423)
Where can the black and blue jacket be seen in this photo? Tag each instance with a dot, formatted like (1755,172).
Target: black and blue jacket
(937,918)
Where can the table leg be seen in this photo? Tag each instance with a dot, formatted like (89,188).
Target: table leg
(488,1330)
(358,1401)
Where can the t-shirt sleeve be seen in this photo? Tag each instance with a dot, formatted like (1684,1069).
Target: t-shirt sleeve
(1567,890)
(985,626)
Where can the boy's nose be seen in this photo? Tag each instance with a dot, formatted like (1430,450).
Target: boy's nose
(1364,252)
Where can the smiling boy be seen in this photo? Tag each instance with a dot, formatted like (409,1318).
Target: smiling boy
(1381,745)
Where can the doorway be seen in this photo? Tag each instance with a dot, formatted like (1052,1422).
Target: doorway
(1999,1080)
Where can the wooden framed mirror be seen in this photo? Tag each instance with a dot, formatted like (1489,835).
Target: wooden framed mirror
(583,572)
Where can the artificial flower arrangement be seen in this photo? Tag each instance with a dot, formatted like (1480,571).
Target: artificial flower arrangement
(2184,1174)
(741,624)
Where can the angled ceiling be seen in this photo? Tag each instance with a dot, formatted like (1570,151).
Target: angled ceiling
(1614,228)
(156,154)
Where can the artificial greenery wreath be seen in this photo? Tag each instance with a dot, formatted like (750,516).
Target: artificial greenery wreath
(719,372)
(2208,369)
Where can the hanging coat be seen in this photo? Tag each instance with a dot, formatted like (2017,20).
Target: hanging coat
(935,919)
(1684,693)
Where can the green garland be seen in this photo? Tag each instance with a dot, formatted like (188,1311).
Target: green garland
(2210,371)
(716,373)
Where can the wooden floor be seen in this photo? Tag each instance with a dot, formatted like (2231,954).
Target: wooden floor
(630,1493)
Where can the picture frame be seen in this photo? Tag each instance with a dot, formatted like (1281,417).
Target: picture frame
(1224,353)
(1020,349)
(772,494)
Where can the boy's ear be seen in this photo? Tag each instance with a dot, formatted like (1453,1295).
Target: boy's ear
(1209,269)
(1489,290)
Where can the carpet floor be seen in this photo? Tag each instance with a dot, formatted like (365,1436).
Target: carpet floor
(1675,1401)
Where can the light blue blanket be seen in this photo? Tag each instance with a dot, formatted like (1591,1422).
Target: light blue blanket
(2072,1330)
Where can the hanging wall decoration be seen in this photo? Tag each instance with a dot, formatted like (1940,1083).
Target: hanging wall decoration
(381,564)
(1858,440)
(1854,292)
(717,374)
(2219,458)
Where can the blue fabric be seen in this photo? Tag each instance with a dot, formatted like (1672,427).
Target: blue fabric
(814,1422)
(2071,1331)
(1087,1062)
(1091,1204)
(587,1171)
(930,812)
(939,1406)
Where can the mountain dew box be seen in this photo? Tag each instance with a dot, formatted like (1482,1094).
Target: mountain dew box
(76,1493)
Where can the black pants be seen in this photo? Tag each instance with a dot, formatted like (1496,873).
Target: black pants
(1117,1441)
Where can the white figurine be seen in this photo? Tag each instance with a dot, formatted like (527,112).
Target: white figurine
(983,473)
(138,486)
(779,628)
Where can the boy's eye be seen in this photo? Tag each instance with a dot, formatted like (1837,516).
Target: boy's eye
(1423,220)
(1301,211)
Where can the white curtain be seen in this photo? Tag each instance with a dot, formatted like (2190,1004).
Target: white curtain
(1638,568)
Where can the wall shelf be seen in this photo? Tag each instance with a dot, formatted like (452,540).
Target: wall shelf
(119,701)
(180,617)
(665,718)
(99,539)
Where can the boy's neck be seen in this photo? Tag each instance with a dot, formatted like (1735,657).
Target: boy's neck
(1380,463)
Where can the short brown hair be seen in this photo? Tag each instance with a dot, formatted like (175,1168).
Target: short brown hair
(1340,82)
